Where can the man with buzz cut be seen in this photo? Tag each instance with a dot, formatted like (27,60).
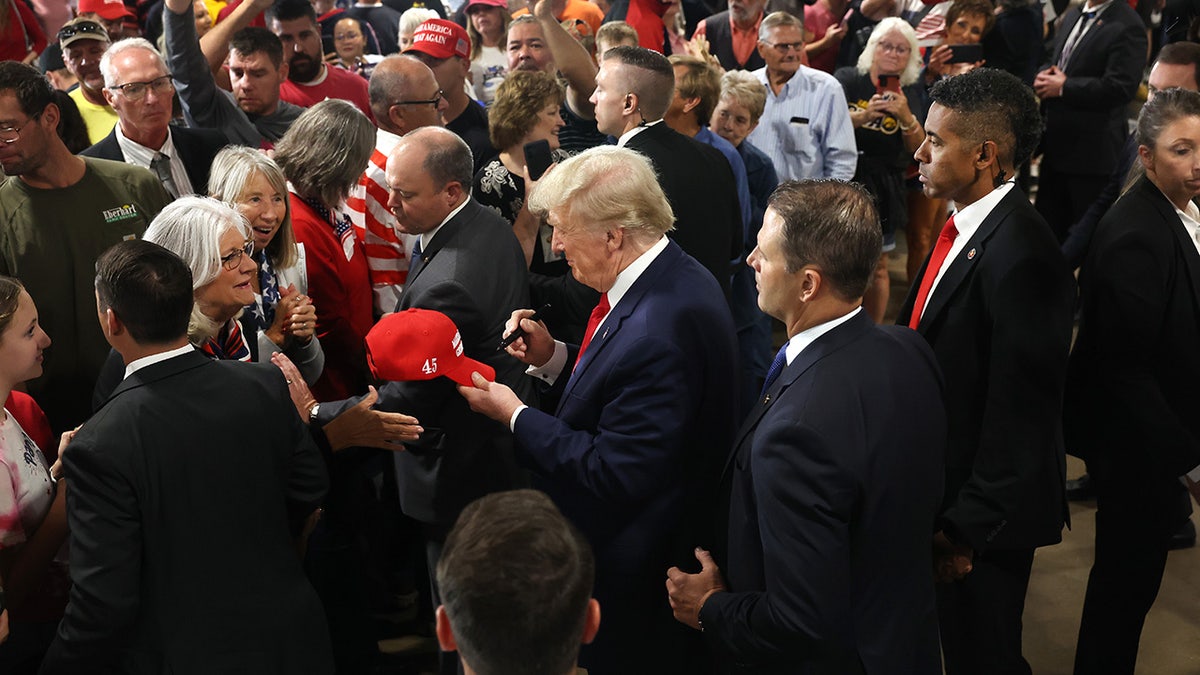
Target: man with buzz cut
(58,213)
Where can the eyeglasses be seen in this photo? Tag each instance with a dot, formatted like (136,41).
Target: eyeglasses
(437,98)
(347,36)
(233,260)
(13,134)
(786,47)
(136,91)
(899,50)
(88,28)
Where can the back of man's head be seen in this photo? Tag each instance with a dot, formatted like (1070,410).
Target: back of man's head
(699,80)
(32,91)
(396,79)
(447,156)
(649,76)
(993,105)
(254,39)
(833,225)
(149,289)
(516,582)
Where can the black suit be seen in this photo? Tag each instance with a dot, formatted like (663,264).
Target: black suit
(474,272)
(1131,412)
(833,487)
(1085,127)
(699,184)
(196,148)
(999,322)
(181,490)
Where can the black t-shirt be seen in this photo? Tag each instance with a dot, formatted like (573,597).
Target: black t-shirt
(880,142)
(472,127)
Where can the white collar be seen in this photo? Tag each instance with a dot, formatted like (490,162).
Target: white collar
(632,271)
(625,137)
(800,341)
(138,364)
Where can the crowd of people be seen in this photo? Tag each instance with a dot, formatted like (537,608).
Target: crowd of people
(308,310)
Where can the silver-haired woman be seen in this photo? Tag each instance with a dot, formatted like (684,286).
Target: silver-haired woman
(282,313)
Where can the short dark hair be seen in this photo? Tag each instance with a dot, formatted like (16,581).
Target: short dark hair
(253,39)
(32,89)
(515,578)
(149,289)
(993,105)
(654,86)
(833,225)
(981,8)
(286,10)
(71,127)
(1181,54)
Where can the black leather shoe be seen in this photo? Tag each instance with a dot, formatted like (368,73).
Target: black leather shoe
(1184,538)
(1081,489)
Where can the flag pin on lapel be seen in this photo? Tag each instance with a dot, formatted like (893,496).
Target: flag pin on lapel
(605,335)
(971,254)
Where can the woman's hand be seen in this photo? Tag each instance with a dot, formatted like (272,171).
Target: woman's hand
(301,324)
(893,103)
(302,398)
(56,469)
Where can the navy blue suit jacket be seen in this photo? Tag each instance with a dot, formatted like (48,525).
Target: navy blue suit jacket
(833,489)
(633,452)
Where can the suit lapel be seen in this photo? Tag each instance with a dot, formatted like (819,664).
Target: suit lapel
(1086,39)
(444,235)
(965,261)
(1183,238)
(625,308)
(823,346)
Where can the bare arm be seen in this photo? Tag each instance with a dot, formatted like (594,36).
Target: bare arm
(215,43)
(572,59)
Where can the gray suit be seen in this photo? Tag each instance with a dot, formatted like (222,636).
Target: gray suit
(474,272)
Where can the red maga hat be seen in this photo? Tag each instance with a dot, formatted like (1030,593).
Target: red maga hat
(420,344)
(441,39)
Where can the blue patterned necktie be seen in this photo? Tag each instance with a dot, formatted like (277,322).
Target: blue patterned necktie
(776,368)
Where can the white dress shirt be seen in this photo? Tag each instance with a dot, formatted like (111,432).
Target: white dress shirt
(138,364)
(140,155)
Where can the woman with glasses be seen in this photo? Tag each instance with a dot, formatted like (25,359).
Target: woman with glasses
(215,242)
(349,48)
(282,314)
(887,109)
(322,155)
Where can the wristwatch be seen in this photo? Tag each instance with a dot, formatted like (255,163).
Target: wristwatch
(312,412)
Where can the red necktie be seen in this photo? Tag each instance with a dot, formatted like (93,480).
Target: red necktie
(594,320)
(940,251)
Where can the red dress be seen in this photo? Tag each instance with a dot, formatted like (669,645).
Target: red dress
(22,33)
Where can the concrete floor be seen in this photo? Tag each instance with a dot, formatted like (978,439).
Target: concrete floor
(1171,637)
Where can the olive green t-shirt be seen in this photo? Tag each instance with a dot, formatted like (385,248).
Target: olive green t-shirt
(50,240)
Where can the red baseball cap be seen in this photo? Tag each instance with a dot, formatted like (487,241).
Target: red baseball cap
(441,39)
(109,9)
(420,344)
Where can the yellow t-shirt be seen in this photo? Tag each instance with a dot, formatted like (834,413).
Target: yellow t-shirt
(100,119)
